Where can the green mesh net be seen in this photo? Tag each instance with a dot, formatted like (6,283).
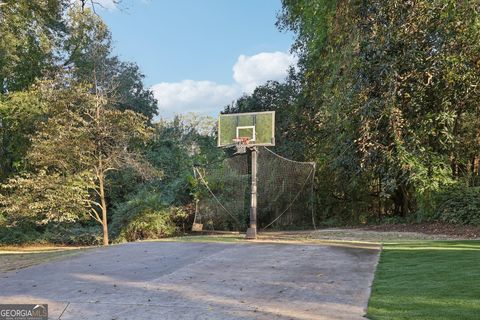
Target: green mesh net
(284,193)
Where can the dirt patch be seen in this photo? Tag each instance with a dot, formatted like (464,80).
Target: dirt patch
(436,228)
(369,234)
(379,233)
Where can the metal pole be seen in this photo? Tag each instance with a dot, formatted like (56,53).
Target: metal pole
(252,231)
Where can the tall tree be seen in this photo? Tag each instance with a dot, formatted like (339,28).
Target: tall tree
(89,50)
(91,140)
(29,35)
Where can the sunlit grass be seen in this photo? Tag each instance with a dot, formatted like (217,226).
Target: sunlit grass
(14,258)
(427,280)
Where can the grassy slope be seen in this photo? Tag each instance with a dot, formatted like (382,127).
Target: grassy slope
(427,280)
(14,258)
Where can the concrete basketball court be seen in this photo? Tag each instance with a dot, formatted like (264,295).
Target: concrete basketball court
(173,280)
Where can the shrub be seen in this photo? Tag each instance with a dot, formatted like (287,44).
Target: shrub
(146,216)
(25,234)
(54,233)
(149,224)
(73,234)
(460,205)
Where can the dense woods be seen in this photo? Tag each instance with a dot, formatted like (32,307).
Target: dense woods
(385,100)
(390,91)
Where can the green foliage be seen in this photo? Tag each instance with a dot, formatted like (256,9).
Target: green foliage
(19,114)
(41,198)
(53,233)
(145,216)
(149,225)
(142,200)
(176,146)
(25,234)
(29,33)
(73,119)
(460,205)
(72,234)
(89,50)
(386,99)
(76,138)
(229,184)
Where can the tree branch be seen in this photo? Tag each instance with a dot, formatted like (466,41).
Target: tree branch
(96,216)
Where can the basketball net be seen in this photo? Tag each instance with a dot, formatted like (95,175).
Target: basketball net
(241,144)
(286,198)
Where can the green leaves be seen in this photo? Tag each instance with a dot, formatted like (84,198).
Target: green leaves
(70,152)
(71,114)
(392,87)
(43,197)
(29,32)
(88,46)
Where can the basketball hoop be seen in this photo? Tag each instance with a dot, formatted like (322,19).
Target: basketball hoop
(241,144)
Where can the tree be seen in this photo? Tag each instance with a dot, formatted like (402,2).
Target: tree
(90,140)
(89,50)
(41,197)
(389,89)
(71,114)
(21,114)
(29,32)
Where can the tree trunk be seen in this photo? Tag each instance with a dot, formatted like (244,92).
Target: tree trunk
(476,165)
(101,179)
(105,227)
(401,201)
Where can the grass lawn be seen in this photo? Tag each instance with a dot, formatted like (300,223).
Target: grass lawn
(427,280)
(14,258)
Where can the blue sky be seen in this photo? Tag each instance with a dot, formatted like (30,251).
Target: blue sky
(199,55)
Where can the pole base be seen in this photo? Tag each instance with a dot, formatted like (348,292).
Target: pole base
(251,233)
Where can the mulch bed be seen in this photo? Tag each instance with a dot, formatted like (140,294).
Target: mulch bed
(440,228)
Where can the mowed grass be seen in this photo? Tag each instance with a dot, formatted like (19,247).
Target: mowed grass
(427,280)
(14,258)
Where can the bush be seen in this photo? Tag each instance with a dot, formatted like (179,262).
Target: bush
(69,234)
(10,235)
(73,234)
(149,224)
(460,205)
(146,216)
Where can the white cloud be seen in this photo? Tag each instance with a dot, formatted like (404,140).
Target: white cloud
(208,98)
(253,71)
(203,97)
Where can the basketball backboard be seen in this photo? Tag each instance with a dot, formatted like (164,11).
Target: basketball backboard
(258,127)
